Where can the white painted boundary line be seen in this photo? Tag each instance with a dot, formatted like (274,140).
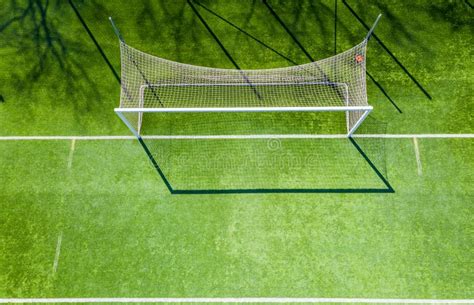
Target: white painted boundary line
(237,300)
(67,138)
(417,155)
(58,251)
(262,136)
(427,135)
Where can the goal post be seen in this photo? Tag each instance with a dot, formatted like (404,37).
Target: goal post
(151,84)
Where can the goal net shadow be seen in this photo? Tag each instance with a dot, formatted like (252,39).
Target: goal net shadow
(288,158)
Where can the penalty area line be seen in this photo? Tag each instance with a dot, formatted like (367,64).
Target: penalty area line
(237,300)
(58,252)
(417,156)
(71,153)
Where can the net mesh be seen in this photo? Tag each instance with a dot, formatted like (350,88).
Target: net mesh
(152,82)
(200,164)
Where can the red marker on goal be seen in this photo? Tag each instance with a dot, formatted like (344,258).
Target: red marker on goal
(359,58)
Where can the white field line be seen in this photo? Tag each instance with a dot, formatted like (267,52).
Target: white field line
(67,138)
(261,136)
(422,135)
(237,300)
(417,155)
(58,251)
(71,153)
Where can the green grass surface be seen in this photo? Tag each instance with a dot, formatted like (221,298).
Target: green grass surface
(125,235)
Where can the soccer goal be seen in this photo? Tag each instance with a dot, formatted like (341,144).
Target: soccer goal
(151,84)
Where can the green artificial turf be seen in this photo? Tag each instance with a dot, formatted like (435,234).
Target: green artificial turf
(125,235)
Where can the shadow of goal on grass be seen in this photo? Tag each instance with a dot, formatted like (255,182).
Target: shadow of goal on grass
(265,166)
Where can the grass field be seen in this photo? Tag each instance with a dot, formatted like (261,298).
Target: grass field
(382,217)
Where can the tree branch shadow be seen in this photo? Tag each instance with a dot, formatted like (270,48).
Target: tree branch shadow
(48,53)
(458,14)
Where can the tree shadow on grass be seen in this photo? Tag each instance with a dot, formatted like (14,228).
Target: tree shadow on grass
(458,14)
(47,55)
(399,30)
(168,22)
(303,17)
(241,30)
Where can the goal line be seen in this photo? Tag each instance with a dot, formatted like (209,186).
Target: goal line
(230,137)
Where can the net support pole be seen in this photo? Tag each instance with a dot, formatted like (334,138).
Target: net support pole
(116,30)
(357,124)
(371,31)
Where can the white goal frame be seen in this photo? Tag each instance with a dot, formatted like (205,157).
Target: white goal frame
(120,112)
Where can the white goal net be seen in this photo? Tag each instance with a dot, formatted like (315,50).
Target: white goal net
(154,84)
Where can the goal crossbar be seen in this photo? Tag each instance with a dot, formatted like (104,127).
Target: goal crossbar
(136,131)
(246,109)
